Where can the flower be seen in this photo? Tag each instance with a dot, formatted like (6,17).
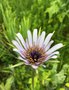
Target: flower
(36,49)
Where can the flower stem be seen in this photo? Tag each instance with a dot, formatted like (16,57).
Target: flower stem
(33,72)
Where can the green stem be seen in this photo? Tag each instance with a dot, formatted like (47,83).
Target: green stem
(16,65)
(33,72)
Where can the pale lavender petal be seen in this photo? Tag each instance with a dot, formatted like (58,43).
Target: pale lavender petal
(22,40)
(44,65)
(27,44)
(49,45)
(34,66)
(19,52)
(16,50)
(35,36)
(29,37)
(48,38)
(26,61)
(54,56)
(41,39)
(50,58)
(19,43)
(16,44)
(37,63)
(54,53)
(51,55)
(20,58)
(54,48)
(57,52)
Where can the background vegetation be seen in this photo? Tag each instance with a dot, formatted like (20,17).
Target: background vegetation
(19,16)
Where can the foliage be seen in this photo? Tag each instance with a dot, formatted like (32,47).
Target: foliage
(19,16)
(8,84)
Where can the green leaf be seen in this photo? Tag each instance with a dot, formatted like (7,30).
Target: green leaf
(9,83)
(2,87)
(58,78)
(53,9)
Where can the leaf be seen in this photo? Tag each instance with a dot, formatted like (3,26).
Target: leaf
(67,85)
(58,78)
(53,9)
(2,86)
(9,83)
(62,89)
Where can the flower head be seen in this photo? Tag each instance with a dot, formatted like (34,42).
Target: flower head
(36,49)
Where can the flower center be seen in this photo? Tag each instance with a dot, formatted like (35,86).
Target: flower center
(35,55)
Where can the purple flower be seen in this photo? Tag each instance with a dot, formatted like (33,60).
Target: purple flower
(36,49)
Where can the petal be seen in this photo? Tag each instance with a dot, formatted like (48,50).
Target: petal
(21,39)
(35,36)
(16,50)
(26,61)
(34,66)
(44,66)
(54,48)
(54,53)
(51,55)
(54,57)
(16,44)
(41,38)
(19,42)
(27,43)
(19,52)
(29,37)
(21,58)
(48,38)
(57,52)
(49,45)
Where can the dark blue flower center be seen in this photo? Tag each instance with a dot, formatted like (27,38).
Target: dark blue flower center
(35,55)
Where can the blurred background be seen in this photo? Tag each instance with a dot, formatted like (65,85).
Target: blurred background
(45,15)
